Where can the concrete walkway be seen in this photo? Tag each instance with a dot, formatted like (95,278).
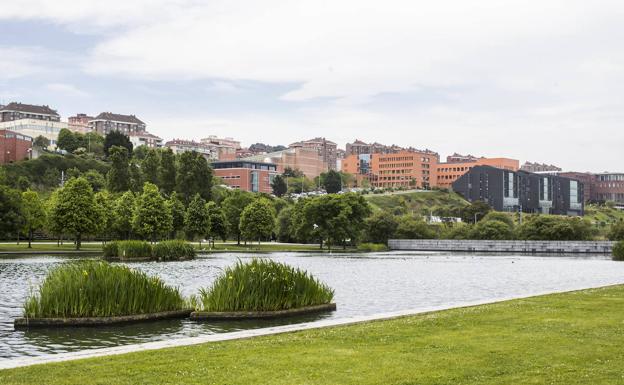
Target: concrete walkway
(91,353)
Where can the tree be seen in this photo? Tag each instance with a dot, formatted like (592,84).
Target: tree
(167,171)
(93,143)
(492,229)
(196,221)
(279,186)
(75,209)
(285,224)
(136,177)
(218,224)
(95,179)
(410,227)
(116,138)
(152,218)
(33,214)
(105,205)
(140,152)
(233,206)
(331,181)
(555,228)
(257,220)
(356,210)
(67,140)
(290,173)
(41,142)
(123,211)
(150,167)
(53,223)
(119,175)
(194,176)
(325,217)
(380,227)
(178,212)
(475,211)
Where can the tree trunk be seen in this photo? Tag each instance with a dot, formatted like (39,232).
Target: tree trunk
(238,239)
(78,241)
(30,237)
(18,237)
(321,244)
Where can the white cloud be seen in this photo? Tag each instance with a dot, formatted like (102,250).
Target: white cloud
(16,62)
(66,89)
(524,78)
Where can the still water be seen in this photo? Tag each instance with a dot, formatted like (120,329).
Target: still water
(364,285)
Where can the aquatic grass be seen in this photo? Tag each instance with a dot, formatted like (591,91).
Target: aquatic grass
(173,250)
(127,249)
(100,289)
(263,285)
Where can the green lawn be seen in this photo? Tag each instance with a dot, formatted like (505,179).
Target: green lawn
(421,202)
(572,338)
(48,247)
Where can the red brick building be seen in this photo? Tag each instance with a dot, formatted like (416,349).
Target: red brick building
(246,175)
(14,146)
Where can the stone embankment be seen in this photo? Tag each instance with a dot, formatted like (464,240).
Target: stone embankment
(587,247)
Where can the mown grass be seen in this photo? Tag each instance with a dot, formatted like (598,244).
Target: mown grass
(263,285)
(569,339)
(99,289)
(51,247)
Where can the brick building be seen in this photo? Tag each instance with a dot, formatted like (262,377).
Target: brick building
(14,146)
(79,123)
(608,187)
(407,168)
(457,165)
(246,175)
(326,150)
(306,160)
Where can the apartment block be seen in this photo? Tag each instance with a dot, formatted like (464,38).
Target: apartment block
(246,175)
(608,187)
(539,167)
(16,111)
(410,169)
(306,160)
(14,146)
(179,146)
(457,165)
(144,138)
(108,121)
(521,191)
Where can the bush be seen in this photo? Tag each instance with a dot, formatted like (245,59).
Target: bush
(457,231)
(616,232)
(499,216)
(173,250)
(127,250)
(413,228)
(618,251)
(556,228)
(263,285)
(492,229)
(99,289)
(380,227)
(372,247)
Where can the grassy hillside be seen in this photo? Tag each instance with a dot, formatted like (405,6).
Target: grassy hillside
(420,202)
(603,215)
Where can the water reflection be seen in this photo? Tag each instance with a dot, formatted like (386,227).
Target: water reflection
(364,284)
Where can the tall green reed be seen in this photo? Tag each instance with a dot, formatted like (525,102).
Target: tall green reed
(263,285)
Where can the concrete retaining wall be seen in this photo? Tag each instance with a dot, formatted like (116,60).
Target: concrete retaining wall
(593,247)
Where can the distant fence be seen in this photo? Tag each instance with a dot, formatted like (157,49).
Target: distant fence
(594,247)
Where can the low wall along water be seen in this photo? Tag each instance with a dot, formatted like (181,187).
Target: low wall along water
(590,247)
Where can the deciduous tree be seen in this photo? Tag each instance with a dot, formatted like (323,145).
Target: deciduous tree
(257,220)
(33,214)
(152,218)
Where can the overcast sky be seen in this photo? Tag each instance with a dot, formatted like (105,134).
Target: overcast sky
(533,80)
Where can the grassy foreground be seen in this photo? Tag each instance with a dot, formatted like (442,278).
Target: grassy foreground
(572,338)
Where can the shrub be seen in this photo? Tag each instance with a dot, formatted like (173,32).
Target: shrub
(372,247)
(499,216)
(263,285)
(413,228)
(173,250)
(492,229)
(457,231)
(556,228)
(380,227)
(616,232)
(618,251)
(99,289)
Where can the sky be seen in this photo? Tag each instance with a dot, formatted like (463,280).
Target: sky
(532,80)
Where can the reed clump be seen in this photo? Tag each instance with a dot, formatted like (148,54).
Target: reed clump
(100,289)
(618,251)
(263,285)
(174,250)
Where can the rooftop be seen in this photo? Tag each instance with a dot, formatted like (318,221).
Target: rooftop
(118,118)
(30,108)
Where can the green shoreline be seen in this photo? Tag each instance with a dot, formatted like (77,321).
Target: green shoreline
(568,338)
